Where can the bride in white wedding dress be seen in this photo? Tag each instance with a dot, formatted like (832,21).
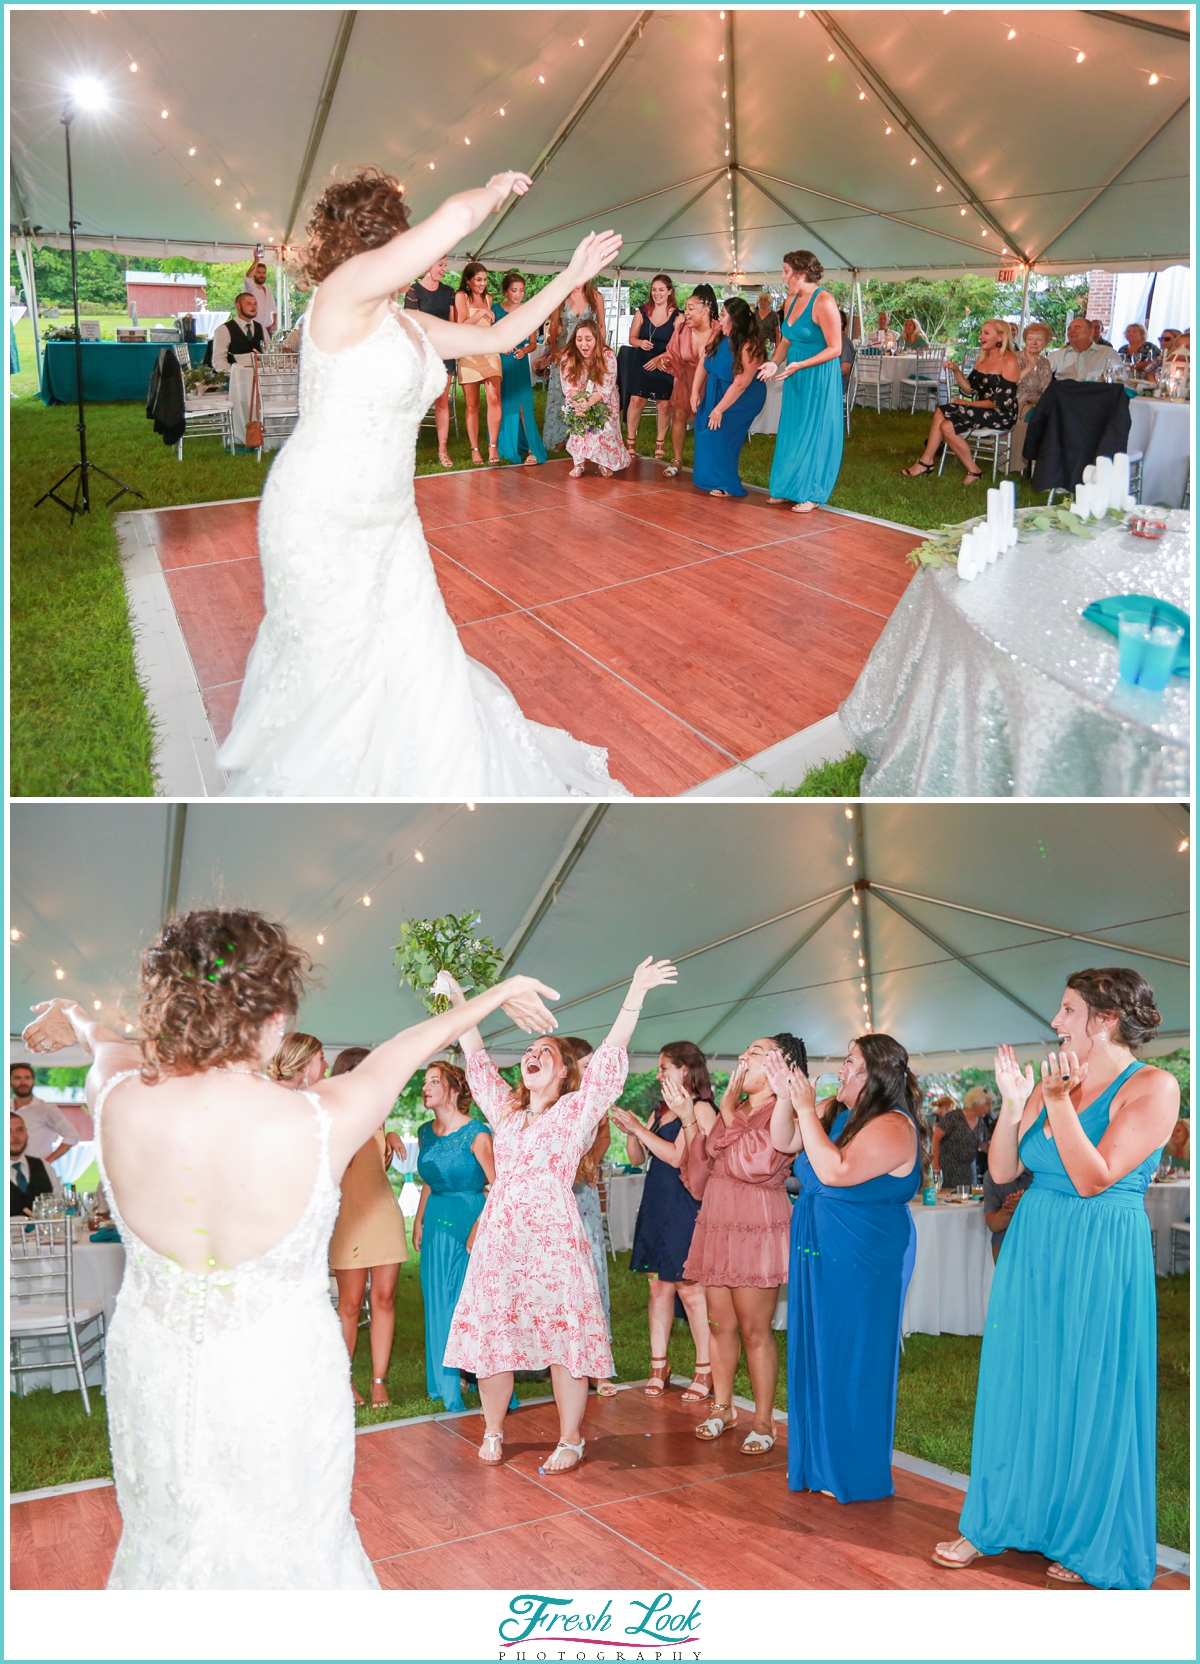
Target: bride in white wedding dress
(358,685)
(229,1404)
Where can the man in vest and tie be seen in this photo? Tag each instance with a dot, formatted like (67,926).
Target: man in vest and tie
(27,1175)
(233,349)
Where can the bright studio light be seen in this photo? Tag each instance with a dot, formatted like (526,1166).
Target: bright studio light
(87,92)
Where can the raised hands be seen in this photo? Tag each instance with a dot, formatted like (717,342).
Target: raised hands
(53,1031)
(731,1096)
(651,973)
(504,185)
(779,1075)
(1015,1086)
(1062,1072)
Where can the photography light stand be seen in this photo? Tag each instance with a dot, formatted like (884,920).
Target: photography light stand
(84,469)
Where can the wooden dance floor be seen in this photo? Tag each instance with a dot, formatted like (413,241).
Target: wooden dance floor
(651,1508)
(684,633)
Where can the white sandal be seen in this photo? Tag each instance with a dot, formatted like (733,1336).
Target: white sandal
(952,1561)
(575,474)
(757,1444)
(577,1450)
(716,1424)
(670,473)
(496,1440)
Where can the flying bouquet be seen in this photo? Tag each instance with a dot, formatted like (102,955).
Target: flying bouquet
(427,947)
(580,419)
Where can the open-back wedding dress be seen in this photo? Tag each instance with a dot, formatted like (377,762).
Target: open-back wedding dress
(230,1413)
(358,685)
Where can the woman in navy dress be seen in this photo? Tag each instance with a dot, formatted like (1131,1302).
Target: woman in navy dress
(1063,1457)
(649,337)
(667,1215)
(853,1246)
(726,397)
(519,436)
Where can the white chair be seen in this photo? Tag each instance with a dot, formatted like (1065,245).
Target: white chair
(871,380)
(207,418)
(927,376)
(184,357)
(279,392)
(43,1311)
(1181,1248)
(987,444)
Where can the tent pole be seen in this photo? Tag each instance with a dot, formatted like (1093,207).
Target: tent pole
(1024,300)
(548,895)
(173,857)
(862,885)
(29,283)
(333,73)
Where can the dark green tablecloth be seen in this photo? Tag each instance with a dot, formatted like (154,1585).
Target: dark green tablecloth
(110,370)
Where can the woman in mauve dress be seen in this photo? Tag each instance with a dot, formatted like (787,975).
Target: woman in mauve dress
(530,1298)
(693,331)
(739,1249)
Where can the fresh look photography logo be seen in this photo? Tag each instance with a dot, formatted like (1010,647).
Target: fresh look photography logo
(623,1628)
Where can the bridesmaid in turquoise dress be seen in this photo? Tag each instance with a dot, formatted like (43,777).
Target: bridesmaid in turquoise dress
(808,445)
(519,436)
(1063,1458)
(852,1251)
(726,397)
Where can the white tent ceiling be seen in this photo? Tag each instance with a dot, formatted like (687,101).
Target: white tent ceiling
(591,891)
(1041,126)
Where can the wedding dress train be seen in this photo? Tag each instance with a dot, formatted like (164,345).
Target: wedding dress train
(358,685)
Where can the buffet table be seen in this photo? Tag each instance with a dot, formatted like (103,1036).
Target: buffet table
(1162,431)
(998,688)
(111,370)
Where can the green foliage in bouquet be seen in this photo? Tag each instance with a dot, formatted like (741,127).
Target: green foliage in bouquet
(588,419)
(451,943)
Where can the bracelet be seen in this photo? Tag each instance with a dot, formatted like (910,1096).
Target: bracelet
(636,1009)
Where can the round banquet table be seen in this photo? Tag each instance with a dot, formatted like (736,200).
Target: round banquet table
(1162,431)
(623,1194)
(998,688)
(99,1268)
(1166,1205)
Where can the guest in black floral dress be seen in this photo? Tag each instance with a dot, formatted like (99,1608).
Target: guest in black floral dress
(990,402)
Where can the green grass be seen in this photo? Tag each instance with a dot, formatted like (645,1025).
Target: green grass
(841,778)
(79,722)
(54,1443)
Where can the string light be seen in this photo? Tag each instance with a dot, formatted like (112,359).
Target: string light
(471,807)
(939,187)
(133,69)
(1154,80)
(255,224)
(14,935)
(962,210)
(1080,57)
(861,96)
(849,860)
(829,59)
(1184,845)
(501,112)
(237,205)
(466,141)
(913,163)
(1012,34)
(95,1005)
(192,151)
(216,181)
(542,80)
(417,856)
(60,973)
(887,129)
(320,939)
(165,114)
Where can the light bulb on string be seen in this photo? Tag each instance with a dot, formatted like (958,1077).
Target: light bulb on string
(320,939)
(133,69)
(1080,57)
(192,151)
(938,187)
(417,856)
(1012,34)
(60,973)
(542,80)
(165,114)
(829,59)
(366,901)
(95,1005)
(1154,80)
(861,96)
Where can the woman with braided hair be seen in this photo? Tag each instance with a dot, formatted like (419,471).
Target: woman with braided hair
(853,1246)
(1063,1459)
(739,1246)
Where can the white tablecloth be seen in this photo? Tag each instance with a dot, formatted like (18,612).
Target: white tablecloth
(99,1268)
(999,688)
(1167,1205)
(624,1192)
(1162,431)
(952,1275)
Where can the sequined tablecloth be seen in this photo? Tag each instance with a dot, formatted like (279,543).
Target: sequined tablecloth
(998,688)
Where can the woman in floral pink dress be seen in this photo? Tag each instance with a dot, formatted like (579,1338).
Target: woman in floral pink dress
(589,376)
(530,1298)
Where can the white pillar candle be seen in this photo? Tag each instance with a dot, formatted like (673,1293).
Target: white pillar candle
(1008,506)
(1120,478)
(1104,484)
(1130,503)
(966,557)
(1082,500)
(993,507)
(1089,474)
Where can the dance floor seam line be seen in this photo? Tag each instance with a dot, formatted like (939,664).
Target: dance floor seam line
(831,594)
(766,543)
(477,1536)
(584,594)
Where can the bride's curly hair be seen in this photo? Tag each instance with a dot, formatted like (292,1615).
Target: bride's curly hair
(351,216)
(209,983)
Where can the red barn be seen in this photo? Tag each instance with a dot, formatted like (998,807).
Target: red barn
(165,294)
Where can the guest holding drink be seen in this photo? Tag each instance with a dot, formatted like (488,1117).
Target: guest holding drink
(1063,1459)
(667,1216)
(589,378)
(808,446)
(739,1249)
(472,306)
(1138,351)
(692,333)
(518,430)
(726,397)
(455,1165)
(649,337)
(989,401)
(853,1246)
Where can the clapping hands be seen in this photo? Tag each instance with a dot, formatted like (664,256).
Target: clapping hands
(1015,1086)
(1061,1073)
(792,1084)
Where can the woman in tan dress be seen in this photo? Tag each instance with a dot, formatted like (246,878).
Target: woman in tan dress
(368,1236)
(472,305)
(1036,376)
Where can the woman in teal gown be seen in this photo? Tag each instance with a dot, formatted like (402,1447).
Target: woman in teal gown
(808,445)
(852,1251)
(726,397)
(1063,1458)
(519,436)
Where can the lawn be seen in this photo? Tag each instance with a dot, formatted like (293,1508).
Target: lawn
(53,1442)
(79,723)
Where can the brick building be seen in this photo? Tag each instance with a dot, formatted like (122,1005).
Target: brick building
(165,294)
(1102,292)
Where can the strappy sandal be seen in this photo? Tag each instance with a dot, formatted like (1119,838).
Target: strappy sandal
(670,473)
(757,1444)
(660,451)
(606,473)
(446,460)
(383,1403)
(575,474)
(716,1424)
(359,1401)
(1060,1574)
(475,456)
(701,1387)
(606,1389)
(576,1450)
(918,468)
(660,1377)
(496,1456)
(493,456)
(803,508)
(971,475)
(949,1559)
(531,461)
(718,493)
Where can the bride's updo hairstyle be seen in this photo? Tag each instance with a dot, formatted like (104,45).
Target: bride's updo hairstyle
(351,216)
(1116,989)
(209,983)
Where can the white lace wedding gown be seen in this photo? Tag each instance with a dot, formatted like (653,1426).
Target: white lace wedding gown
(230,1414)
(358,685)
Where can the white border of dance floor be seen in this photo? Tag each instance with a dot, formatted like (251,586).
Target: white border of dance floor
(185,747)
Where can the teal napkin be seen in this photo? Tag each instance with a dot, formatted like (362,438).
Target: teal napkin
(1106,612)
(106,1233)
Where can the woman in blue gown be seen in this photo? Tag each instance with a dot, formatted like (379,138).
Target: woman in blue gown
(454,1165)
(1063,1457)
(726,397)
(808,445)
(853,1246)
(519,436)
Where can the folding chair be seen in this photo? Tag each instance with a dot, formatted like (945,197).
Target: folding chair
(994,444)
(1181,1248)
(279,394)
(850,393)
(43,1310)
(430,421)
(869,364)
(927,377)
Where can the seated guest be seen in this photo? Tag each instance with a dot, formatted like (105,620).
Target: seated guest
(999,1205)
(991,401)
(912,337)
(1099,339)
(848,353)
(884,336)
(1167,340)
(768,319)
(27,1175)
(299,1063)
(1036,375)
(1180,1144)
(1137,350)
(239,336)
(1081,359)
(255,283)
(51,1132)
